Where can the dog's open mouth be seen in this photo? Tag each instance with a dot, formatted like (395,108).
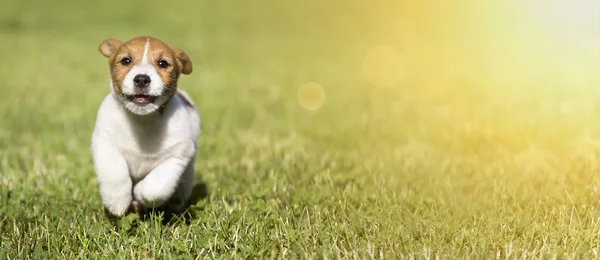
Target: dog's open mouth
(141,99)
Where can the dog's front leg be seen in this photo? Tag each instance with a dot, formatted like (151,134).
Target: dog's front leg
(160,184)
(112,173)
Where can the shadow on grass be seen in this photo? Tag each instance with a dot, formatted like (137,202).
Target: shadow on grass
(168,215)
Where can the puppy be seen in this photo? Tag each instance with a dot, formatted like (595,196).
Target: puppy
(144,141)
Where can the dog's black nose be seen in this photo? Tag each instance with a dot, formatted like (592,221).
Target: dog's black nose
(141,80)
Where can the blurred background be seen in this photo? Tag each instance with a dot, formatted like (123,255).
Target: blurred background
(465,77)
(377,71)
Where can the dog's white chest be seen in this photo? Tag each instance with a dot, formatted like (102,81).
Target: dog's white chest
(145,142)
(140,166)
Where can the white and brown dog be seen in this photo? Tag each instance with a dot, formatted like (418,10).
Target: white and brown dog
(144,142)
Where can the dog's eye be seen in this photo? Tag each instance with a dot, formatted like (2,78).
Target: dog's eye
(125,61)
(163,64)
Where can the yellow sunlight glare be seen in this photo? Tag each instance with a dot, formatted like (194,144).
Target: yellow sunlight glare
(569,21)
(382,66)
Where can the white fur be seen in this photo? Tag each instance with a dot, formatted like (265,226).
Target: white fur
(145,158)
(155,89)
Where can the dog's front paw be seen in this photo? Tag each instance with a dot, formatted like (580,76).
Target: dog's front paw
(151,194)
(117,208)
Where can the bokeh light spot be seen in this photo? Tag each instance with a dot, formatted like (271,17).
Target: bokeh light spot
(311,96)
(383,66)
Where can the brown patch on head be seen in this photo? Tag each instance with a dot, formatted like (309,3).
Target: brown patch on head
(162,57)
(168,62)
(122,57)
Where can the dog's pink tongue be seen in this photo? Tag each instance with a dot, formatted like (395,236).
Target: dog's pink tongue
(142,100)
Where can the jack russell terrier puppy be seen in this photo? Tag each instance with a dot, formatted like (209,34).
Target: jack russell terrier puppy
(144,142)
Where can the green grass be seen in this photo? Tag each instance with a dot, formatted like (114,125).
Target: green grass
(414,171)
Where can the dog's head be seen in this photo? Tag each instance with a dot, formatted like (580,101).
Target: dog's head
(144,72)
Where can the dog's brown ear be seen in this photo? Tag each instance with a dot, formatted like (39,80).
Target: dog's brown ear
(183,61)
(109,46)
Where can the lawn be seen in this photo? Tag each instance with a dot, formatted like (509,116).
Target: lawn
(425,158)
